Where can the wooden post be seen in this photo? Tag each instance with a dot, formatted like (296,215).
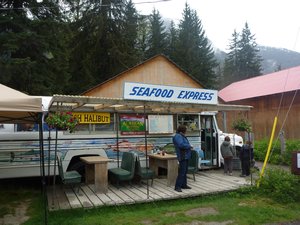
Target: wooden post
(224,121)
(282,142)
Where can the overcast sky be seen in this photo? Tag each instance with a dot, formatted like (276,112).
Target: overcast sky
(275,23)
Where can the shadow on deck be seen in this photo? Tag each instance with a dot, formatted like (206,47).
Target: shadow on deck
(207,182)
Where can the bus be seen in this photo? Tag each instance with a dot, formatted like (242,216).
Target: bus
(20,154)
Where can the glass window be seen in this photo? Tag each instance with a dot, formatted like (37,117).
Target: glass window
(191,121)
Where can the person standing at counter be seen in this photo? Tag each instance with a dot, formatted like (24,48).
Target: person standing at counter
(183,152)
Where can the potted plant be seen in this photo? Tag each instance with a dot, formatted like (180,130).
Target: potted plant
(242,125)
(62,121)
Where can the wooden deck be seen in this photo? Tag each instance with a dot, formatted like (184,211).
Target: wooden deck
(207,182)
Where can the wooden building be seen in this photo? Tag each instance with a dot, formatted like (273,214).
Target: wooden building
(271,95)
(189,104)
(157,70)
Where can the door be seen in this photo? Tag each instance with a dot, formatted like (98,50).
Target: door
(209,140)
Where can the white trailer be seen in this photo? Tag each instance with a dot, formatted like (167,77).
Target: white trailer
(20,152)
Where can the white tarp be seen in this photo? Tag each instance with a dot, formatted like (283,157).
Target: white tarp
(16,106)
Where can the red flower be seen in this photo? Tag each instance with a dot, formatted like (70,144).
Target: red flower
(62,120)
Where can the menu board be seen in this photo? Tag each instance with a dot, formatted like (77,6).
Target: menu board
(160,124)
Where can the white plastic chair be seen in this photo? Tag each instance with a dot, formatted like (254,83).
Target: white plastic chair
(201,157)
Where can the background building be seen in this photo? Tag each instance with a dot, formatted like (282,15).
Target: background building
(274,94)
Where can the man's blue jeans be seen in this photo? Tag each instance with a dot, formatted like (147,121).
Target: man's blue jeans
(181,180)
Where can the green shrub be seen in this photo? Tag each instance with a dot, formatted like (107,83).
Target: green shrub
(276,159)
(260,151)
(293,145)
(280,185)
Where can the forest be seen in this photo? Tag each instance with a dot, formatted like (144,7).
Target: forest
(66,47)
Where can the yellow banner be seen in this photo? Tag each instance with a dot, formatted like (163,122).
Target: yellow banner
(92,117)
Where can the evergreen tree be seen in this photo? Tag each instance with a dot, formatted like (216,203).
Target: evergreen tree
(172,38)
(278,68)
(249,59)
(231,68)
(193,52)
(104,43)
(142,35)
(31,57)
(157,35)
(130,34)
(243,59)
(82,22)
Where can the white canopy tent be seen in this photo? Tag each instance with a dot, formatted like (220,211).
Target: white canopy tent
(17,107)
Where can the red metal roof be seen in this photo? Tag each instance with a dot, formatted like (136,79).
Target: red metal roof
(273,83)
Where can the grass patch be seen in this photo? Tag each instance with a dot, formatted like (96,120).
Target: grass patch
(245,206)
(20,191)
(241,207)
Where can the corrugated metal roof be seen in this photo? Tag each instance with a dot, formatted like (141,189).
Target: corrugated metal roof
(98,104)
(273,83)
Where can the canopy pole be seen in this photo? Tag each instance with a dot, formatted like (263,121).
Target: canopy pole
(117,129)
(55,157)
(49,155)
(42,164)
(146,150)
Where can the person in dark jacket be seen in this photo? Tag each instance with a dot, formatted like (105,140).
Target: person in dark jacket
(246,156)
(227,153)
(183,152)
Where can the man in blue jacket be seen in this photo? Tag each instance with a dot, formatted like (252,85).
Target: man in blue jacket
(183,152)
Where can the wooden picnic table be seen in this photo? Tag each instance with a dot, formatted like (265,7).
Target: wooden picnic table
(96,172)
(167,161)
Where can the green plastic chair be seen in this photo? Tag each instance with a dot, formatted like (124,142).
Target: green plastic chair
(193,163)
(71,177)
(143,173)
(126,171)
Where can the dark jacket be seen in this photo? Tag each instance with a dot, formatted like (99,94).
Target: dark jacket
(227,150)
(182,146)
(246,152)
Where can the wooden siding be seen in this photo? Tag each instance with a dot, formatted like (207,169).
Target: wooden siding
(159,71)
(263,114)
